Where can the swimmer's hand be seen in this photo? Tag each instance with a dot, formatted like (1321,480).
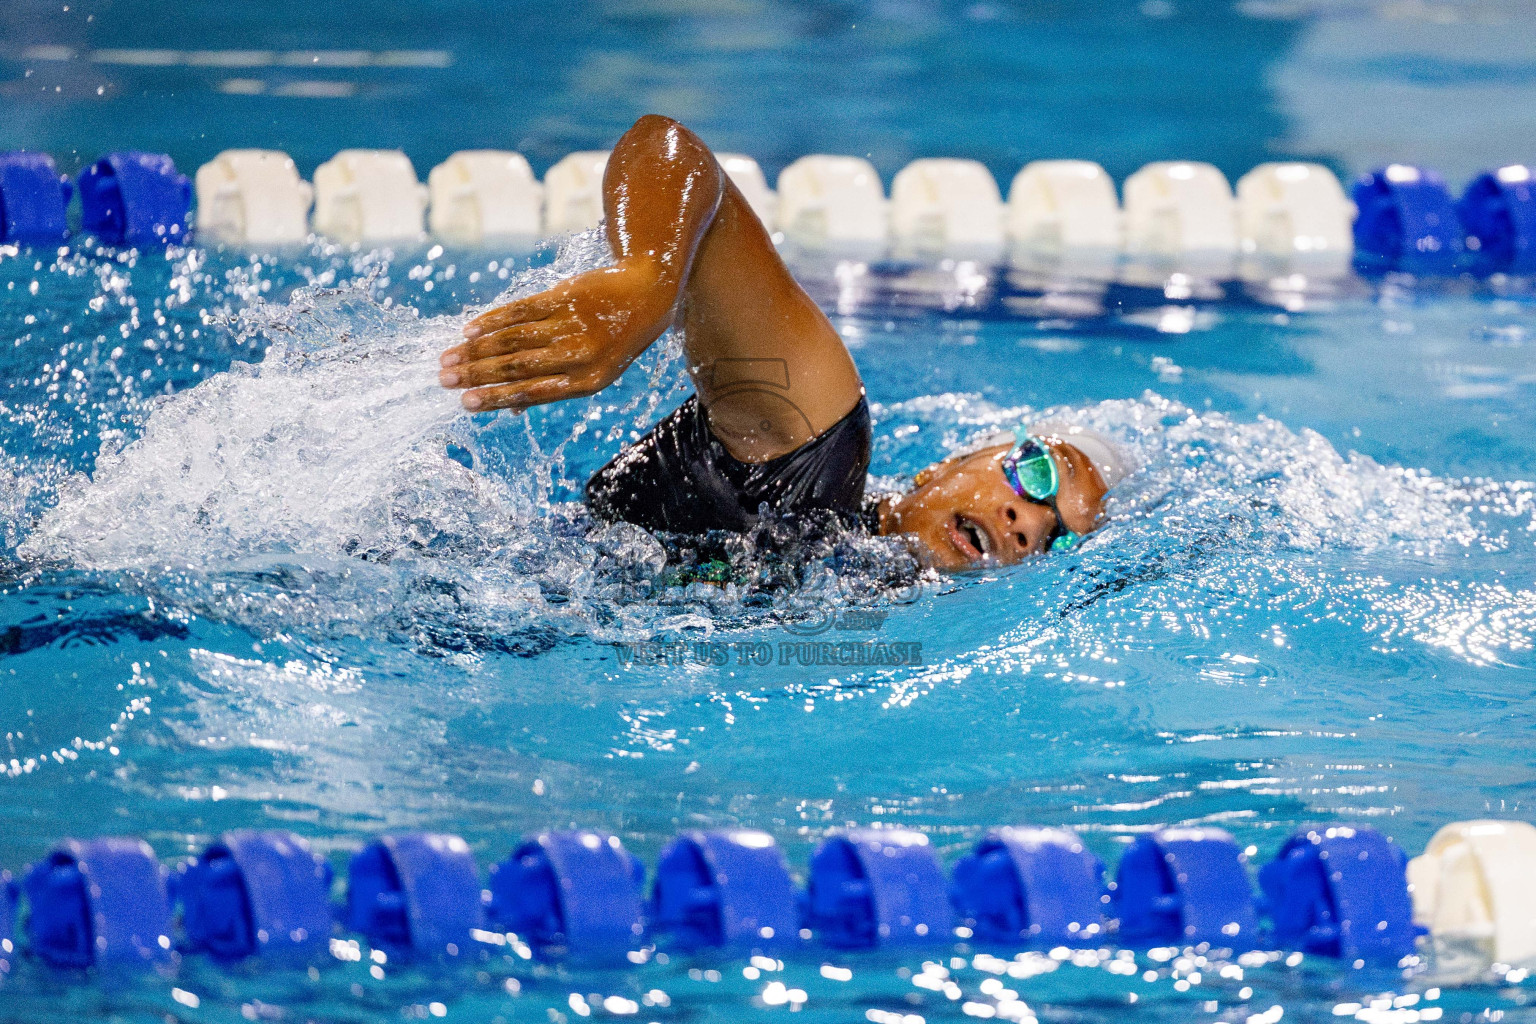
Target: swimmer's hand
(661,189)
(569,342)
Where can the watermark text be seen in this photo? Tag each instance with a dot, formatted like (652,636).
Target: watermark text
(799,653)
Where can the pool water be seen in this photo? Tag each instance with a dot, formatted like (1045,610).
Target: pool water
(257,570)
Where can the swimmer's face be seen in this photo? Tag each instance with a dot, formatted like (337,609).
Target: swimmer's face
(962,513)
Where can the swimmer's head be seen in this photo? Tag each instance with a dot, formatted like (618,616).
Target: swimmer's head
(973,509)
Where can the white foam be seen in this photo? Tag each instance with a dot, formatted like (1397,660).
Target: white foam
(307,452)
(16,491)
(335,444)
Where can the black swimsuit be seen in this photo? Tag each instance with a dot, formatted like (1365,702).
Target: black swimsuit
(680,479)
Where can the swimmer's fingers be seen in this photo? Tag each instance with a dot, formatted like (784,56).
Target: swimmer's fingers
(518,338)
(523,394)
(521,311)
(507,369)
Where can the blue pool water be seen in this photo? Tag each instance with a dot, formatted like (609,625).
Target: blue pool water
(256,570)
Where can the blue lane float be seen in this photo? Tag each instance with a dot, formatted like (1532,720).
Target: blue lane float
(1336,891)
(1185,886)
(570,893)
(133,198)
(34,199)
(1406,222)
(257,893)
(1498,213)
(101,903)
(1341,892)
(877,887)
(1039,886)
(725,888)
(418,892)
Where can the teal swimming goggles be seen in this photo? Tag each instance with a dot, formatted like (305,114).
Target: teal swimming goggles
(1032,473)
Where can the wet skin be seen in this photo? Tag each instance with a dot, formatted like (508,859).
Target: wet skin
(770,370)
(963,513)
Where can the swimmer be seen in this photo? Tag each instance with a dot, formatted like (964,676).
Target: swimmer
(779,417)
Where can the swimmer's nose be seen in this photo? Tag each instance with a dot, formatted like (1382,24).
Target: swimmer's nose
(1011,526)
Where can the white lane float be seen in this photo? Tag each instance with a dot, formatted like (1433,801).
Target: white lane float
(832,200)
(485,193)
(1179,207)
(944,205)
(1063,204)
(1475,885)
(369,195)
(1295,210)
(573,192)
(253,196)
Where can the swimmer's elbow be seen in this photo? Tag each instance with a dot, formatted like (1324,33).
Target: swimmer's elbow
(653,124)
(669,143)
(667,140)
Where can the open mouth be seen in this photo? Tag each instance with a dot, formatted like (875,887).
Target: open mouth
(969,538)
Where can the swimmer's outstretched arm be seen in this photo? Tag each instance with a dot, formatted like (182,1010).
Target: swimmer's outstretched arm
(769,368)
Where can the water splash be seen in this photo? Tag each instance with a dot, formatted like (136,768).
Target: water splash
(293,455)
(17,492)
(336,487)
